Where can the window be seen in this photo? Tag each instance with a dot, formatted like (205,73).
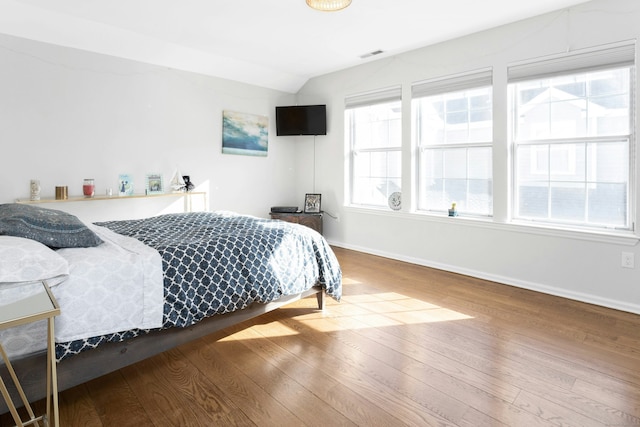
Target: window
(572,137)
(374,133)
(453,134)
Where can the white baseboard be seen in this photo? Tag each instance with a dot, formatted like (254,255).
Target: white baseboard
(538,287)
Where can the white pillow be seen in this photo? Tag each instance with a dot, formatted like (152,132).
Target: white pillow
(25,260)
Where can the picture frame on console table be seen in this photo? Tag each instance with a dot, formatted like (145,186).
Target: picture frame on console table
(312,203)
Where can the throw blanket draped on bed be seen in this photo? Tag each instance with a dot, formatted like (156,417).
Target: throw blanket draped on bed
(215,263)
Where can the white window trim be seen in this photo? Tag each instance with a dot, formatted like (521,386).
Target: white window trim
(392,93)
(475,79)
(609,56)
(380,96)
(614,55)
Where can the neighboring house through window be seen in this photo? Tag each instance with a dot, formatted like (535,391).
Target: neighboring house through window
(573,135)
(453,134)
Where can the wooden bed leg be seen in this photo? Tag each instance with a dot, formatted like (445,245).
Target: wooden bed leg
(320,297)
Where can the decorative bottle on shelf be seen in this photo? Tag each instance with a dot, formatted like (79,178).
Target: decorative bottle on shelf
(35,190)
(88,188)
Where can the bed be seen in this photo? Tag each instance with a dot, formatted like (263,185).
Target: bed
(130,289)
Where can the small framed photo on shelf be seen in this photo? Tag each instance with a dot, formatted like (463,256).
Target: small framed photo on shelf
(312,203)
(154,184)
(125,185)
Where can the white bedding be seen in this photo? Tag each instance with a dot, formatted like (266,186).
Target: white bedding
(114,287)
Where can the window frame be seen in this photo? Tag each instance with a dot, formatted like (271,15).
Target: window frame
(443,86)
(378,97)
(503,156)
(603,58)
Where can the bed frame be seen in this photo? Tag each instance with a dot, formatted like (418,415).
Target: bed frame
(110,357)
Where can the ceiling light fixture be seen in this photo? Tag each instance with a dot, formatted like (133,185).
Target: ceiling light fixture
(328,5)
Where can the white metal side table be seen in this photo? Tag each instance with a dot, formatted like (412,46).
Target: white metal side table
(38,305)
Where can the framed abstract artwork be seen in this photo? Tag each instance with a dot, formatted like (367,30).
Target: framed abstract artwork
(246,134)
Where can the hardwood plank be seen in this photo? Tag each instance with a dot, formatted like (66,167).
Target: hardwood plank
(259,406)
(552,412)
(77,408)
(362,384)
(594,359)
(159,400)
(333,392)
(179,393)
(625,397)
(416,360)
(581,406)
(370,377)
(116,404)
(272,377)
(477,400)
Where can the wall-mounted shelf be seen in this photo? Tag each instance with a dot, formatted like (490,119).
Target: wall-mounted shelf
(96,198)
(193,200)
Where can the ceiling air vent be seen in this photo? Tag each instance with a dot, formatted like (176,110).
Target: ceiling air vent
(370,54)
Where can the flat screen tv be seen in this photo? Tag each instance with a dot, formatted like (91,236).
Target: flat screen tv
(301,120)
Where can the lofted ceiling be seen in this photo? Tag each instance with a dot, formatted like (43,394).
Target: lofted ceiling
(277,44)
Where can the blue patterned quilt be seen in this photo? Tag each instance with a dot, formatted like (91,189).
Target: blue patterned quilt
(218,262)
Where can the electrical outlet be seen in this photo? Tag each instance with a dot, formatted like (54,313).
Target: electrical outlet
(627,260)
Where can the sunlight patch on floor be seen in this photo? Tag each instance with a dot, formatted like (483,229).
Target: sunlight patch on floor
(428,316)
(267,331)
(360,311)
(386,309)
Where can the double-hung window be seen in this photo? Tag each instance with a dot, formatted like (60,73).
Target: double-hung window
(374,132)
(453,135)
(572,133)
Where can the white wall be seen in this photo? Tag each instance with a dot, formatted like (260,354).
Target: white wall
(573,265)
(67,114)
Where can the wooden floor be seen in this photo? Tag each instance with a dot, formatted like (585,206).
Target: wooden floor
(407,345)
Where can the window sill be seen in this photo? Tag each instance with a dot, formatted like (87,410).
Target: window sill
(613,237)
